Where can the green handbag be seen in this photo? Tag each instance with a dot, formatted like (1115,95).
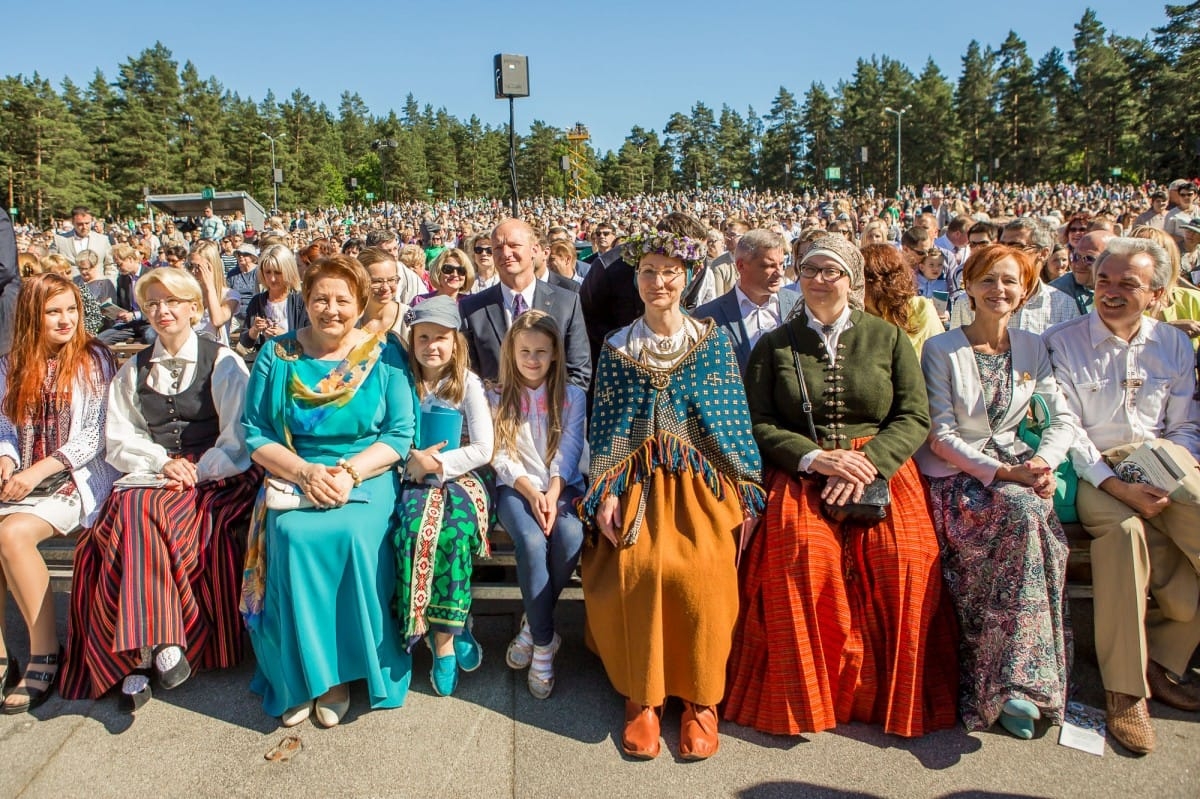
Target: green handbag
(1030,432)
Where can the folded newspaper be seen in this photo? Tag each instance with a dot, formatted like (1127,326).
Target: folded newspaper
(1153,464)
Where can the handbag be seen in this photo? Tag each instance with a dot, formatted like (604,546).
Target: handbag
(50,485)
(1067,482)
(284,495)
(875,505)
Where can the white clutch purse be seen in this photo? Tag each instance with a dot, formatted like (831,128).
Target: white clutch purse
(282,495)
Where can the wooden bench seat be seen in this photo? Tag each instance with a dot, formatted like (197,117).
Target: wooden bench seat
(495,577)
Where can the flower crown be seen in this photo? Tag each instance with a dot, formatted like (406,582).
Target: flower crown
(691,251)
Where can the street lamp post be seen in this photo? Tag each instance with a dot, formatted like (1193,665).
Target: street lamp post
(274,182)
(899,139)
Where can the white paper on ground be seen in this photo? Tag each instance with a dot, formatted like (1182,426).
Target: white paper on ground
(1083,729)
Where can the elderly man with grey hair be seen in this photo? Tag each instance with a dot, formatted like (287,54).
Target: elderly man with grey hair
(758,303)
(1047,305)
(1130,379)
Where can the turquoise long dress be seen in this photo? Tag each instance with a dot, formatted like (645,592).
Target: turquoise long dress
(330,573)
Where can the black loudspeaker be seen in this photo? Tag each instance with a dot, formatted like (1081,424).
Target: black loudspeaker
(512,76)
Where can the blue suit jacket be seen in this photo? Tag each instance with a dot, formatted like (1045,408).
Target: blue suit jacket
(484,325)
(725,312)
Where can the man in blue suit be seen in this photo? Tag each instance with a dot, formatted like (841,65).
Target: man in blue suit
(757,303)
(488,314)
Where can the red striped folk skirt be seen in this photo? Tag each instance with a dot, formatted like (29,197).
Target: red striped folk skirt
(843,623)
(159,567)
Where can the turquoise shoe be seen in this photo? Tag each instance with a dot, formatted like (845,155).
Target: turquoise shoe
(467,650)
(444,674)
(1018,716)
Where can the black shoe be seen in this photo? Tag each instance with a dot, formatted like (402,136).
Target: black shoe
(176,675)
(132,701)
(36,696)
(12,675)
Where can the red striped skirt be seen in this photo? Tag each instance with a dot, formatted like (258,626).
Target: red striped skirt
(159,567)
(843,623)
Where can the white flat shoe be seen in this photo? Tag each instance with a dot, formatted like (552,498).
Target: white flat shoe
(330,714)
(295,715)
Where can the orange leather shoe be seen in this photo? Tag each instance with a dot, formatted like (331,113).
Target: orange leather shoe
(698,732)
(641,738)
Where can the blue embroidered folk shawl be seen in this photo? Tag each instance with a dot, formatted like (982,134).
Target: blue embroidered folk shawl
(693,417)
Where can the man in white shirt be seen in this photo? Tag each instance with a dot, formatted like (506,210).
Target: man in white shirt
(1183,213)
(1130,379)
(758,303)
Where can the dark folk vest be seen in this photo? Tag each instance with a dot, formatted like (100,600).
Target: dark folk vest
(186,423)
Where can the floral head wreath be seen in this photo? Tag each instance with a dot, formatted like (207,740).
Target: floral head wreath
(691,251)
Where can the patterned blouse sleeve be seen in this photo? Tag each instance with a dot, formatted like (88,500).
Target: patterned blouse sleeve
(86,443)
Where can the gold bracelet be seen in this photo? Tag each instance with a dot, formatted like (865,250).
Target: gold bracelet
(349,467)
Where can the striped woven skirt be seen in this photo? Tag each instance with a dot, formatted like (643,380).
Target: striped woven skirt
(159,567)
(843,623)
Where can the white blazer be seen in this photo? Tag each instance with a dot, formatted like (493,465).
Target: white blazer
(960,428)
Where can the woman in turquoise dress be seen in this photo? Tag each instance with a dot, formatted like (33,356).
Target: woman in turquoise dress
(330,410)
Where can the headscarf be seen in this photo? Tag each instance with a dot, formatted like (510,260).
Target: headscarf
(839,248)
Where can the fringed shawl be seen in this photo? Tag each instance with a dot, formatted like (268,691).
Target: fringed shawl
(693,417)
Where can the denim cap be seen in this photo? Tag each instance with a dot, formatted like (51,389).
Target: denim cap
(437,310)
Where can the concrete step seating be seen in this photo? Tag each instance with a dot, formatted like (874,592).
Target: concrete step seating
(496,578)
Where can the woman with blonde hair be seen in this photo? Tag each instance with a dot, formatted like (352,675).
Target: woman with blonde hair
(156,577)
(452,274)
(279,307)
(219,301)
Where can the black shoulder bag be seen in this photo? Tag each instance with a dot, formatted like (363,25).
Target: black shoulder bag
(876,501)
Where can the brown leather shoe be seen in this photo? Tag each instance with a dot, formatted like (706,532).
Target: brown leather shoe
(641,731)
(1164,689)
(698,732)
(1129,722)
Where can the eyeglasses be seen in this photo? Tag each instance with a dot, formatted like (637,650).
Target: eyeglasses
(380,282)
(454,269)
(830,274)
(483,250)
(1076,258)
(173,304)
(667,276)
(1077,230)
(923,253)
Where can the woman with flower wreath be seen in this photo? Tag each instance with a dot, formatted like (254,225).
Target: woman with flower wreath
(675,476)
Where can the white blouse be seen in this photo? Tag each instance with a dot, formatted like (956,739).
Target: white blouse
(130,446)
(477,417)
(571,460)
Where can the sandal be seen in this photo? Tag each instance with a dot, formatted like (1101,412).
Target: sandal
(36,696)
(12,675)
(285,750)
(135,691)
(541,670)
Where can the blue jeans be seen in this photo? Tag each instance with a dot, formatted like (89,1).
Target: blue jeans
(544,564)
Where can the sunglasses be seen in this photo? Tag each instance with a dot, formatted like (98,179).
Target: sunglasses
(1077,230)
(483,250)
(922,253)
(454,269)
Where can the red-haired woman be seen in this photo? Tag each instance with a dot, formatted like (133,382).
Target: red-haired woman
(53,476)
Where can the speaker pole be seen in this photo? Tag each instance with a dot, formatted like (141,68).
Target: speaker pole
(512,153)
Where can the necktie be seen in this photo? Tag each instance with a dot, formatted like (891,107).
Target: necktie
(519,307)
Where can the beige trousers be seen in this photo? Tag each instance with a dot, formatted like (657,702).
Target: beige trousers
(1132,555)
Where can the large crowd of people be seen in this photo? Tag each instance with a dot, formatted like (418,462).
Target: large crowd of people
(810,453)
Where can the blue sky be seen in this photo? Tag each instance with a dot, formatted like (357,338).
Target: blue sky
(609,65)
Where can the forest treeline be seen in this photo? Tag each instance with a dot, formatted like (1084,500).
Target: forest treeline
(1109,107)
